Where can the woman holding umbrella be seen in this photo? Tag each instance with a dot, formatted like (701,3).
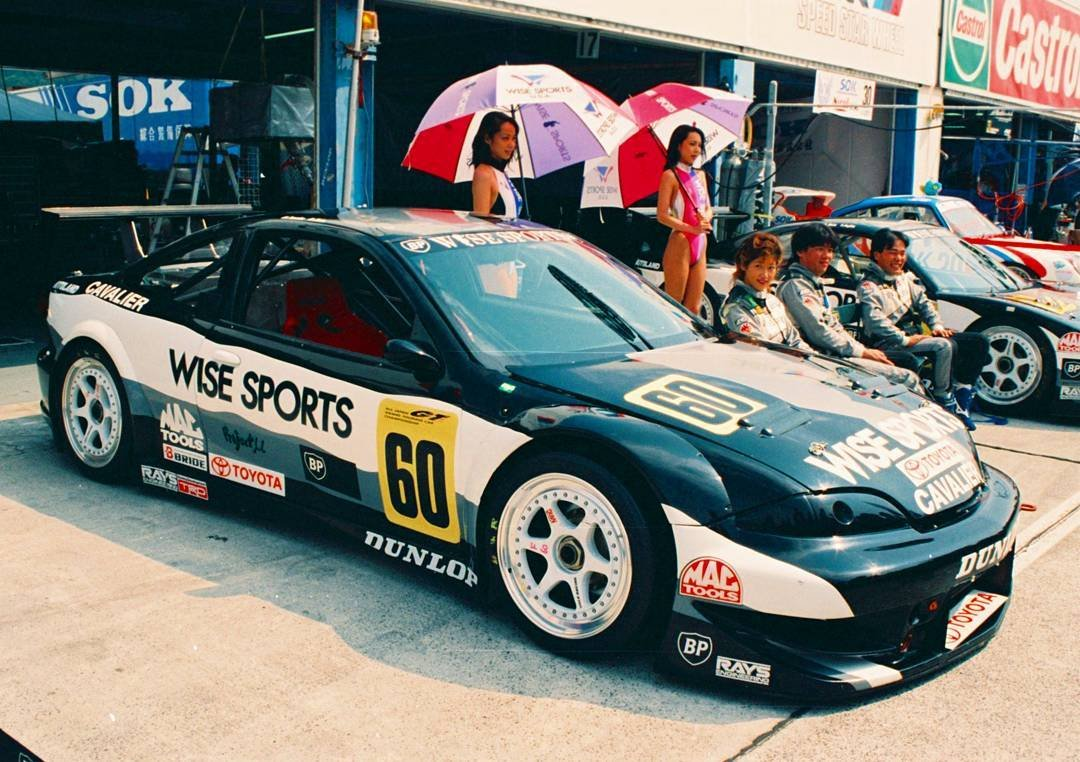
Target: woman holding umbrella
(492,147)
(683,205)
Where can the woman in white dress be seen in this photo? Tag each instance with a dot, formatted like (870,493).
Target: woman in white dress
(492,148)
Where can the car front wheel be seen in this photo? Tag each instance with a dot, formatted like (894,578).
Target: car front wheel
(575,555)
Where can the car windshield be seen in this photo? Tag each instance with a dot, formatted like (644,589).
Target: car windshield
(542,302)
(955,266)
(967,221)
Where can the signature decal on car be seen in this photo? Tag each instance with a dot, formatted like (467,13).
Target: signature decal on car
(415,446)
(695,402)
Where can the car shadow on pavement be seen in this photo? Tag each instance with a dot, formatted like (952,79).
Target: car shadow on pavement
(380,608)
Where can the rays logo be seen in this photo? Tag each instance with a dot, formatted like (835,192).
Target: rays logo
(532,80)
(602,172)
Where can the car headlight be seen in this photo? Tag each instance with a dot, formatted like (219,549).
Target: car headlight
(826,515)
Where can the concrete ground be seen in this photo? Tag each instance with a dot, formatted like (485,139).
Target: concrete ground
(136,626)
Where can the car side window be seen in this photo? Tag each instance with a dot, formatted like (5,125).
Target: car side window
(908,212)
(191,276)
(865,212)
(323,291)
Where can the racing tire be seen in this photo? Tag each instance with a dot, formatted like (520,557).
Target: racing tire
(1024,274)
(711,302)
(91,415)
(574,558)
(1021,370)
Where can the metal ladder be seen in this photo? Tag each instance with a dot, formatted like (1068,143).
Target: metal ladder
(200,138)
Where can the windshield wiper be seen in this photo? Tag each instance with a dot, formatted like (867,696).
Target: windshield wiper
(600,308)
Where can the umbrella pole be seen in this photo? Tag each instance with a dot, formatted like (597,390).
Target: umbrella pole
(521,168)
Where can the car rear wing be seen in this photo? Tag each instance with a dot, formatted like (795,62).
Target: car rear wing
(126,216)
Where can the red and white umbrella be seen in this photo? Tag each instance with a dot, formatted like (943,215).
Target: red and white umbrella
(632,171)
(563,122)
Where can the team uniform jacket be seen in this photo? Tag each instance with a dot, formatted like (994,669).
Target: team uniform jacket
(753,313)
(894,307)
(803,293)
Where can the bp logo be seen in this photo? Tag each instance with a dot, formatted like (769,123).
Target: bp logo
(967,48)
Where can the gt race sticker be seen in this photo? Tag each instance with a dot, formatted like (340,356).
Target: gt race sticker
(694,402)
(415,446)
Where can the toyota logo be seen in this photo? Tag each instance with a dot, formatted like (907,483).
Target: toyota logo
(220,465)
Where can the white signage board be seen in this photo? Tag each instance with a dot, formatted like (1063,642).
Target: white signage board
(897,39)
(844,95)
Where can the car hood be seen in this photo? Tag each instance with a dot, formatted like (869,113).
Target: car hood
(1043,300)
(828,425)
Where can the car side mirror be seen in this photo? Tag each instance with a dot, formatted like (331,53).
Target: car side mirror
(424,365)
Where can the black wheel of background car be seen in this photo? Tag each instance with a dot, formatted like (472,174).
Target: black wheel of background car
(575,556)
(1020,370)
(92,413)
(709,311)
(1021,272)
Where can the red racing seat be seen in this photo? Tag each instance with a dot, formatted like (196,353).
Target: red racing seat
(316,311)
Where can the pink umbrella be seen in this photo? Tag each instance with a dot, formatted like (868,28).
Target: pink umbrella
(632,171)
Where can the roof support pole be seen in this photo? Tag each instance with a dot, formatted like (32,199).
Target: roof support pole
(336,35)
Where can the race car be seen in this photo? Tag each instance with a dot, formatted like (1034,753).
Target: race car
(507,407)
(1034,332)
(1053,264)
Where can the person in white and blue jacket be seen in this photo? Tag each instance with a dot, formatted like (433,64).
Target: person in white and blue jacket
(895,309)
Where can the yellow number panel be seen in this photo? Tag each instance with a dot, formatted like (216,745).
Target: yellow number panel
(416,468)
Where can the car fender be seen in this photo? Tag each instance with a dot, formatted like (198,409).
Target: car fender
(102,333)
(674,469)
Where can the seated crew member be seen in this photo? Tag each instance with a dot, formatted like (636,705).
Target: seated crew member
(803,294)
(750,310)
(894,307)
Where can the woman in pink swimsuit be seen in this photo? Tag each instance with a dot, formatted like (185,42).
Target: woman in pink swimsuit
(683,205)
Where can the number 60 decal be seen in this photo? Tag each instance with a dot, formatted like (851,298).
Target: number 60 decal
(416,468)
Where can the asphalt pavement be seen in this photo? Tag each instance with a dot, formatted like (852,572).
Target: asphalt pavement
(137,626)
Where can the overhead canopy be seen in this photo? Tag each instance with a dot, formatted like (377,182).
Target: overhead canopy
(178,39)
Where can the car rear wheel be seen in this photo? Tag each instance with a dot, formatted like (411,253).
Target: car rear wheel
(93,415)
(575,555)
(1016,376)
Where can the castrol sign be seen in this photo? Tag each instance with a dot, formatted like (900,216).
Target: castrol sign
(1026,51)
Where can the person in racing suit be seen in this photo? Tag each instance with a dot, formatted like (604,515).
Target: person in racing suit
(750,310)
(894,309)
(803,293)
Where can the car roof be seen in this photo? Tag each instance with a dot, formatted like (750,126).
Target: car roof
(861,225)
(392,222)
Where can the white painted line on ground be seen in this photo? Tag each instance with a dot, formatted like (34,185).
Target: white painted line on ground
(1047,531)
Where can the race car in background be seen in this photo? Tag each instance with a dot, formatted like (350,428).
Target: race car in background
(1053,264)
(1034,332)
(507,407)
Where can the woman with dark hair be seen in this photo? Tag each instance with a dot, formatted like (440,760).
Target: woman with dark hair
(683,205)
(492,147)
(750,310)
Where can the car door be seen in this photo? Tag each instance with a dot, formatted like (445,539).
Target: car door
(184,284)
(313,412)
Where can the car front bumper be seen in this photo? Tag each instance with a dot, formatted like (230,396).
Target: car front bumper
(899,589)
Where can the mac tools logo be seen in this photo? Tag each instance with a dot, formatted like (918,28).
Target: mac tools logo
(967,26)
(178,427)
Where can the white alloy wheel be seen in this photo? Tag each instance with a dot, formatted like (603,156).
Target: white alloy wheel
(564,556)
(92,412)
(1015,369)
